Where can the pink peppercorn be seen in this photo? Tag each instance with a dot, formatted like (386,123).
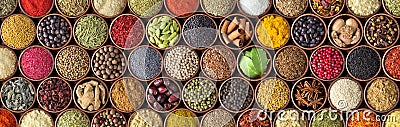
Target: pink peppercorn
(36,63)
(327,63)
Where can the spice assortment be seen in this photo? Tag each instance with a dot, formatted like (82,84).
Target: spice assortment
(236,30)
(381,31)
(199,94)
(90,95)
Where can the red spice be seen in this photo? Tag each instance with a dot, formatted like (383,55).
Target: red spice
(127,31)
(363,118)
(36,63)
(7,119)
(392,62)
(254,118)
(182,8)
(327,63)
(36,8)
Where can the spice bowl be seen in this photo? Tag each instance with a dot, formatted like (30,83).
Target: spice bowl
(21,68)
(291,111)
(268,68)
(72,109)
(330,116)
(188,112)
(137,21)
(294,16)
(259,24)
(40,110)
(343,102)
(162,84)
(101,116)
(391,120)
(221,94)
(190,88)
(12,117)
(69,27)
(33,99)
(104,16)
(157,117)
(193,17)
(16,63)
(122,62)
(262,118)
(2,36)
(376,31)
(145,17)
(128,90)
(187,14)
(298,21)
(130,68)
(170,51)
(362,4)
(39,97)
(227,55)
(329,15)
(24,12)
(315,63)
(363,118)
(238,38)
(387,10)
(357,34)
(73,17)
(81,83)
(370,83)
(384,66)
(347,61)
(218,114)
(59,71)
(253,16)
(152,25)
(275,66)
(317,103)
(220,16)
(12,11)
(79,43)
(273,101)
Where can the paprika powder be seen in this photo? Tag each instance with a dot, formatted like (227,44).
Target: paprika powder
(392,62)
(181,8)
(7,119)
(127,31)
(36,8)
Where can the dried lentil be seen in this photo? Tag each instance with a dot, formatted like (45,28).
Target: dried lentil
(236,94)
(109,8)
(382,94)
(145,118)
(218,7)
(182,117)
(392,62)
(36,63)
(200,94)
(145,63)
(218,63)
(17,94)
(291,63)
(145,8)
(90,31)
(272,94)
(199,31)
(218,118)
(363,63)
(345,94)
(36,118)
(8,63)
(72,8)
(18,31)
(363,7)
(127,94)
(7,7)
(181,62)
(72,118)
(72,62)
(291,8)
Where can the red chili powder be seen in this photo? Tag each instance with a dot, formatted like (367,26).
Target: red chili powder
(182,7)
(127,31)
(36,63)
(7,119)
(392,63)
(36,8)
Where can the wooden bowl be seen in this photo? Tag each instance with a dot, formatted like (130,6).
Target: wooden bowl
(293,36)
(230,53)
(364,115)
(276,55)
(362,4)
(70,32)
(221,16)
(15,118)
(129,61)
(291,17)
(326,110)
(391,118)
(258,86)
(75,98)
(12,11)
(20,68)
(351,75)
(383,63)
(143,109)
(229,18)
(169,114)
(312,9)
(23,11)
(127,92)
(145,17)
(269,68)
(200,48)
(48,114)
(366,100)
(172,18)
(104,16)
(71,109)
(165,67)
(330,30)
(15,64)
(205,115)
(171,81)
(77,16)
(254,16)
(387,10)
(343,66)
(329,91)
(366,31)
(299,117)
(252,98)
(260,112)
(138,21)
(124,68)
(88,62)
(2,37)
(294,88)
(106,109)
(18,111)
(190,108)
(38,95)
(259,25)
(76,39)
(182,15)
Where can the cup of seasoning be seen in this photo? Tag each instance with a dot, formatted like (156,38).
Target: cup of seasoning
(392,7)
(127,31)
(381,31)
(9,63)
(327,118)
(257,56)
(362,118)
(267,30)
(345,31)
(272,94)
(236,31)
(218,63)
(36,118)
(145,63)
(345,94)
(314,92)
(7,119)
(90,31)
(54,94)
(309,31)
(109,8)
(163,31)
(127,95)
(254,118)
(145,8)
(395,116)
(72,118)
(290,117)
(327,63)
(181,117)
(254,8)
(8,7)
(218,118)
(109,63)
(290,63)
(72,8)
(145,117)
(199,95)
(327,8)
(381,94)
(236,94)
(163,94)
(200,31)
(181,62)
(391,63)
(108,117)
(36,8)
(18,31)
(36,63)
(363,8)
(182,10)
(291,8)
(54,31)
(14,87)
(218,8)
(83,91)
(363,63)
(72,63)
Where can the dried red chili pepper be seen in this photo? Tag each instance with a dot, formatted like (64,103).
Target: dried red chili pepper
(363,118)
(392,62)
(127,31)
(254,118)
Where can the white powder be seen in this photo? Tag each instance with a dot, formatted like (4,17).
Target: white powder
(345,94)
(109,7)
(254,7)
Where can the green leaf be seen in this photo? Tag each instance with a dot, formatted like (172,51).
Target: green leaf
(256,61)
(247,67)
(264,59)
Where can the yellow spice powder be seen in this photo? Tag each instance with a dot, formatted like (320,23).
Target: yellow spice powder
(18,31)
(273,31)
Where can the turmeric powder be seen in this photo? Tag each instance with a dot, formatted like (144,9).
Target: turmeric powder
(273,31)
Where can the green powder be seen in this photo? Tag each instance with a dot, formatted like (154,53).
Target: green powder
(73,118)
(91,31)
(145,8)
